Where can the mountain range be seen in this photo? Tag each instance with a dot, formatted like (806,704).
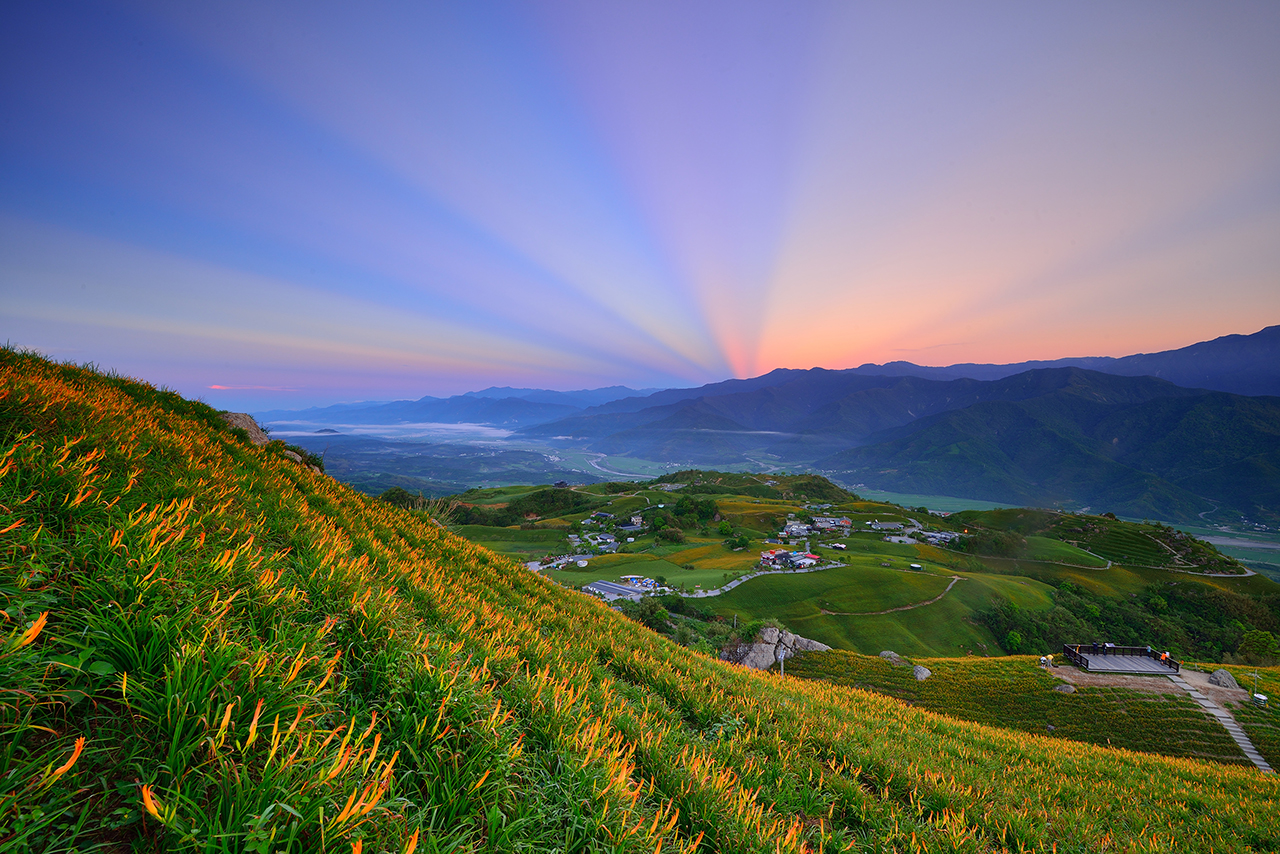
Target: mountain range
(498,407)
(1179,435)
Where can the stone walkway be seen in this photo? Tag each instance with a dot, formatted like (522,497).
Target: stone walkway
(1228,722)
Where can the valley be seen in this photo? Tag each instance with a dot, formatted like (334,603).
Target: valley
(1086,434)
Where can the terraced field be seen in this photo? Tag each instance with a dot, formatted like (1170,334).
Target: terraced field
(1014,692)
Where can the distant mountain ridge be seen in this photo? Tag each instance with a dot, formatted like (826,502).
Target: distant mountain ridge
(1240,364)
(1098,431)
(1140,446)
(1173,456)
(499,407)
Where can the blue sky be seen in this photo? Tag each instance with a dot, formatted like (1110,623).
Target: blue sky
(280,204)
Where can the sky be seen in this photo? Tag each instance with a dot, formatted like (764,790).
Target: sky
(286,204)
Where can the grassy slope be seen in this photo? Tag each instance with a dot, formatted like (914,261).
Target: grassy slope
(313,668)
(941,628)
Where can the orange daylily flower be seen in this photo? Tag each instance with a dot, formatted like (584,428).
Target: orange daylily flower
(32,633)
(75,754)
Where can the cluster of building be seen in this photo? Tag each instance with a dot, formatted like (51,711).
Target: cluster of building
(938,538)
(783,559)
(631,587)
(557,562)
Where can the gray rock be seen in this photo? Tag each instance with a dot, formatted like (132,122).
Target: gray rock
(810,645)
(760,656)
(245,421)
(1065,689)
(893,658)
(1223,679)
(770,647)
(293,456)
(921,673)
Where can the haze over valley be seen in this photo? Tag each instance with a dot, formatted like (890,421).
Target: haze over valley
(1060,435)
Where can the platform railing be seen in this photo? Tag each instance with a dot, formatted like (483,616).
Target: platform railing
(1077,654)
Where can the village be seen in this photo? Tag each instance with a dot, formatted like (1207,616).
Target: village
(793,550)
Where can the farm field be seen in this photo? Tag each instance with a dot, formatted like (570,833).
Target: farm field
(1056,551)
(211,647)
(1015,693)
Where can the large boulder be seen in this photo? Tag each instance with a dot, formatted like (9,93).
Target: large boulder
(760,656)
(894,659)
(1065,689)
(921,673)
(771,646)
(1224,679)
(245,422)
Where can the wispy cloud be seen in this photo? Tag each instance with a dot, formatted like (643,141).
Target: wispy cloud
(250,388)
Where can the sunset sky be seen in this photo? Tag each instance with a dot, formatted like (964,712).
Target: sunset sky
(278,204)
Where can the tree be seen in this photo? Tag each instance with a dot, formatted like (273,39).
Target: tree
(1259,647)
(1013,641)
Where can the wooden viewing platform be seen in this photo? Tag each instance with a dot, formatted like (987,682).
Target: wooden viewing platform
(1109,658)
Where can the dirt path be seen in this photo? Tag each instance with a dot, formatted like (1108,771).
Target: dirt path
(954,579)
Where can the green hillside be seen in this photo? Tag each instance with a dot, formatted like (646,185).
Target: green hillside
(837,606)
(211,648)
(1136,446)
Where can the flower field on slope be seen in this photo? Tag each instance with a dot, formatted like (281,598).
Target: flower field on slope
(1015,693)
(207,647)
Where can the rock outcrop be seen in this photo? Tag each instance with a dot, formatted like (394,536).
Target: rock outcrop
(1065,689)
(921,672)
(894,659)
(1223,679)
(770,647)
(245,422)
